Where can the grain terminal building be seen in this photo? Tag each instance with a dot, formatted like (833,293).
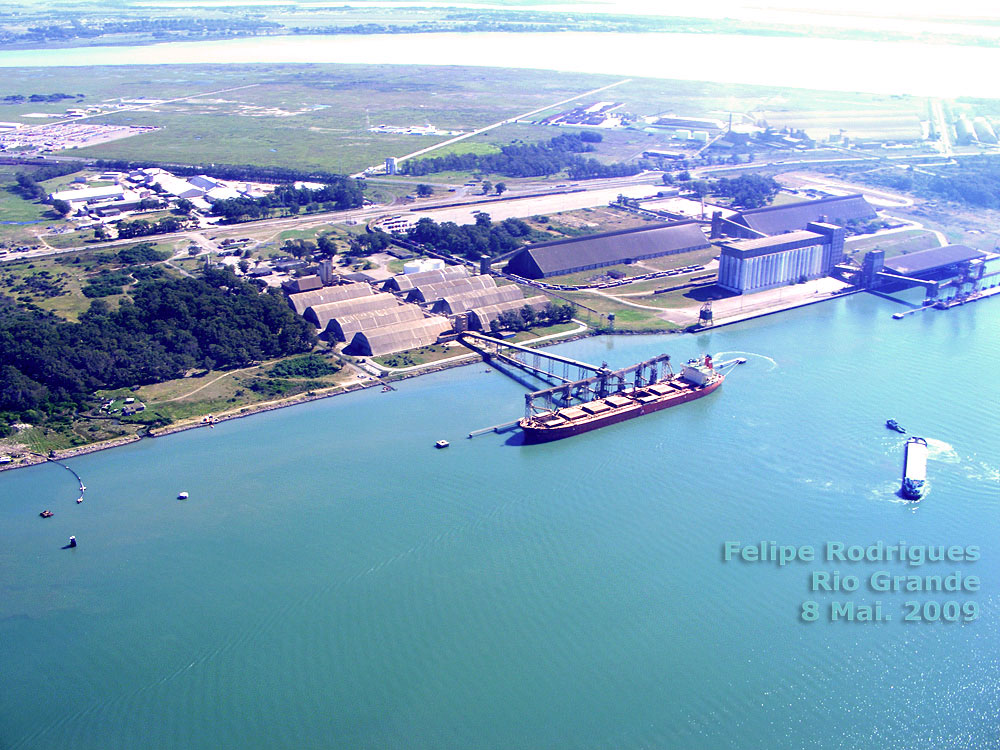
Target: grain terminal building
(753,265)
(607,249)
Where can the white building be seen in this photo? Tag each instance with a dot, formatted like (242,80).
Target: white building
(89,195)
(422,264)
(177,187)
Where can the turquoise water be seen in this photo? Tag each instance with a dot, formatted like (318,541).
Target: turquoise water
(335,582)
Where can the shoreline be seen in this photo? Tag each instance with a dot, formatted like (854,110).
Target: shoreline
(34,459)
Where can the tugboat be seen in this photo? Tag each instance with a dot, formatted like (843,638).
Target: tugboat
(892,424)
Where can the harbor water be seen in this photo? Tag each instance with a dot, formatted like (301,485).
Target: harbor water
(336,582)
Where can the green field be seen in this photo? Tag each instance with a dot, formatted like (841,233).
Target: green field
(317,116)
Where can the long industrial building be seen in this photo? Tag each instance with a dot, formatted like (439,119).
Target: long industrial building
(397,338)
(463,302)
(321,315)
(303,300)
(343,327)
(408,282)
(790,217)
(434,292)
(753,265)
(607,249)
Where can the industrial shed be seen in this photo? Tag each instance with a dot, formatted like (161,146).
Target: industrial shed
(303,284)
(303,300)
(408,282)
(451,287)
(321,315)
(466,301)
(929,261)
(481,317)
(398,337)
(790,217)
(344,327)
(607,249)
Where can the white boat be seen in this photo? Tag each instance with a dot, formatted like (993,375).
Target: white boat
(182,496)
(441,444)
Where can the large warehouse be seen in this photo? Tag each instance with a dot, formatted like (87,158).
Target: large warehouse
(790,217)
(607,249)
(747,266)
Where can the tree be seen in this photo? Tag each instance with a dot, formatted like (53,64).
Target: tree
(244,265)
(700,188)
(185,206)
(487,187)
(61,207)
(423,191)
(500,188)
(101,233)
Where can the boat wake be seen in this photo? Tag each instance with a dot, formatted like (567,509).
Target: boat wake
(938,450)
(722,355)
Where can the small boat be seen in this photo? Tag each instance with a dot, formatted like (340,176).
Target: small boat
(46,514)
(892,424)
(79,499)
(441,444)
(182,496)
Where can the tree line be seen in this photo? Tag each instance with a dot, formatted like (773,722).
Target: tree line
(471,240)
(342,193)
(50,367)
(525,318)
(529,160)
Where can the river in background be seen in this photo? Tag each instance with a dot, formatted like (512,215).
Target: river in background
(780,62)
(336,582)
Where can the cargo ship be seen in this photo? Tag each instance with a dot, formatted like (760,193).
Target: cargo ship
(914,469)
(697,378)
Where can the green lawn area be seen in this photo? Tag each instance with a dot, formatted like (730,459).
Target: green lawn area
(897,243)
(420,356)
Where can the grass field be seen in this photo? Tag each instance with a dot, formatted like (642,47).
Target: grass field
(893,244)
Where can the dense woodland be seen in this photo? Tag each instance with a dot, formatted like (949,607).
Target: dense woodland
(530,160)
(49,368)
(973,181)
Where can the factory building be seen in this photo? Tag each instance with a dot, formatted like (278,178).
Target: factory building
(343,327)
(607,249)
(397,338)
(410,281)
(434,292)
(933,263)
(790,217)
(321,314)
(89,195)
(177,187)
(303,300)
(466,301)
(753,265)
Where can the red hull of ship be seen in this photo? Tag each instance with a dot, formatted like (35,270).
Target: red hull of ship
(534,435)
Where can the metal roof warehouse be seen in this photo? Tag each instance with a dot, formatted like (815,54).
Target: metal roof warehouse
(607,249)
